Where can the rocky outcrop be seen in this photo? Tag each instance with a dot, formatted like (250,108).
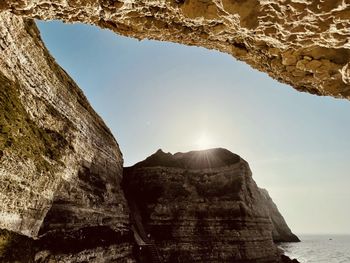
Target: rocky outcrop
(280,230)
(60,166)
(304,43)
(204,206)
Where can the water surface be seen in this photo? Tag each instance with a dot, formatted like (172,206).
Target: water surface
(320,249)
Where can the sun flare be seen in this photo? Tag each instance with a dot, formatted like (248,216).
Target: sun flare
(204,142)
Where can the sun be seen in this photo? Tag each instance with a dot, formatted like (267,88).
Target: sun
(203,141)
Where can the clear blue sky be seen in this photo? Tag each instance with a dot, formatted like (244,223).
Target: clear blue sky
(162,95)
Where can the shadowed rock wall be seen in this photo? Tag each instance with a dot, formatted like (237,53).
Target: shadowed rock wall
(204,206)
(301,43)
(60,166)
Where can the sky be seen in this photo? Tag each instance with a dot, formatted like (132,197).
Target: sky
(156,95)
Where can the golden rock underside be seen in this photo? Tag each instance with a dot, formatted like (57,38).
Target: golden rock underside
(303,43)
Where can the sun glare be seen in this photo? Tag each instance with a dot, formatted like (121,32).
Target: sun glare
(203,142)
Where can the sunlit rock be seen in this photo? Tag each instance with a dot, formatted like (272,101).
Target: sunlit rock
(60,166)
(272,36)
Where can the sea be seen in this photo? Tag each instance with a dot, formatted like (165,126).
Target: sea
(319,249)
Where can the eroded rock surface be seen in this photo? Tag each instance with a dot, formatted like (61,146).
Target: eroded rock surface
(304,43)
(60,166)
(204,206)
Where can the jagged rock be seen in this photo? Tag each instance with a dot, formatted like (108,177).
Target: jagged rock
(301,43)
(60,166)
(204,206)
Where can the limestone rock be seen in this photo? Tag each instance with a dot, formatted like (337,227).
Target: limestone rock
(203,206)
(276,37)
(60,166)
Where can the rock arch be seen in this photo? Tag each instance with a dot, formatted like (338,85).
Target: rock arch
(302,43)
(60,166)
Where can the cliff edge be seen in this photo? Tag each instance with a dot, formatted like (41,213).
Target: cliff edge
(280,231)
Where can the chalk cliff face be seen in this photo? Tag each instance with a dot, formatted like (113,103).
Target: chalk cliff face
(60,166)
(304,43)
(204,206)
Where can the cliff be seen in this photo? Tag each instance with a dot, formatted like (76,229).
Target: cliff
(60,166)
(61,169)
(304,43)
(204,206)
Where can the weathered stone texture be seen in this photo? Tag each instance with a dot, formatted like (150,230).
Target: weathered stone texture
(304,43)
(60,166)
(202,206)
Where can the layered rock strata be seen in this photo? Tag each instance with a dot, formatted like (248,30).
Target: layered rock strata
(304,43)
(204,206)
(60,166)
